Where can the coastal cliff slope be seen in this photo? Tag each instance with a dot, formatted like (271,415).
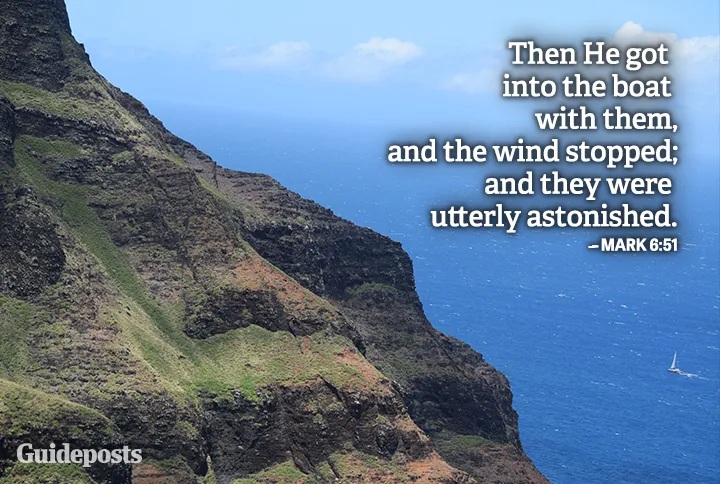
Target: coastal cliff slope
(229,328)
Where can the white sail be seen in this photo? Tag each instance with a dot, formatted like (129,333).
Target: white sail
(674,361)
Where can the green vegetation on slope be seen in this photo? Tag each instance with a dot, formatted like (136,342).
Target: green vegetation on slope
(89,100)
(31,473)
(78,102)
(56,149)
(72,201)
(242,359)
(281,473)
(16,320)
(24,411)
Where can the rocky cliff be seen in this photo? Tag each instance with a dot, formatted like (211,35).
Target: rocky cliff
(231,329)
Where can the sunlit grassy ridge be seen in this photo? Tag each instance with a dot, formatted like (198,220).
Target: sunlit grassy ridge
(89,100)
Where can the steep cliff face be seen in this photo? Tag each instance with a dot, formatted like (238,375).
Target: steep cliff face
(224,325)
(457,398)
(37,47)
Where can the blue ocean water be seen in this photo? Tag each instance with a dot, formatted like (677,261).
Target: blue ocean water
(585,338)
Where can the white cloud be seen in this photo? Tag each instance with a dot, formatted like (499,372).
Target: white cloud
(281,54)
(694,49)
(366,62)
(699,49)
(392,51)
(634,34)
(373,60)
(482,81)
(695,63)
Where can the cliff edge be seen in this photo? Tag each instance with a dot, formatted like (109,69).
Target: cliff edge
(229,328)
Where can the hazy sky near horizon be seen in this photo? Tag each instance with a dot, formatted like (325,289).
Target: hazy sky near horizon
(368,62)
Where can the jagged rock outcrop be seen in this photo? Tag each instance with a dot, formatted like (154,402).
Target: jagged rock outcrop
(31,257)
(37,43)
(222,324)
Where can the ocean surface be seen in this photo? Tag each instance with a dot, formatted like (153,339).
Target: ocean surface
(584,337)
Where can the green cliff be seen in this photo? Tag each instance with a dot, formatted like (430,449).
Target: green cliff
(231,329)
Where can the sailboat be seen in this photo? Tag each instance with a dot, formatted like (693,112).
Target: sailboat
(673,368)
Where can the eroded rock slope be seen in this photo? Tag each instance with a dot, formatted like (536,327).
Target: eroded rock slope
(231,329)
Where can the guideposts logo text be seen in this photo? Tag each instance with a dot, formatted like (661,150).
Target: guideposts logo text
(63,454)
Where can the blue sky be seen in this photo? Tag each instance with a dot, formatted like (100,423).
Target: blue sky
(372,62)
